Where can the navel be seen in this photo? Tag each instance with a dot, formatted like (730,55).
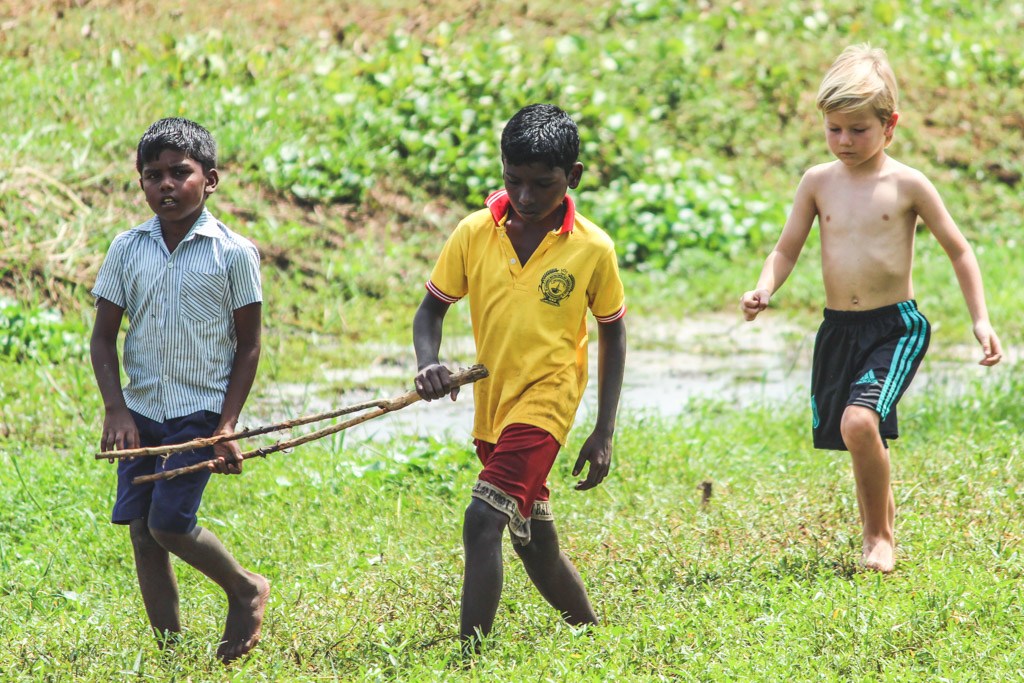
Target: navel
(828,218)
(885,216)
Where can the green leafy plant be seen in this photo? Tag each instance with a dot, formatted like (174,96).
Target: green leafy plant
(38,334)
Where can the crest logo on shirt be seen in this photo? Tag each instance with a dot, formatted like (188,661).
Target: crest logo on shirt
(556,285)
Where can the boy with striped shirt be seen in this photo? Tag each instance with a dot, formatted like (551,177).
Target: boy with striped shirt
(531,267)
(192,293)
(873,336)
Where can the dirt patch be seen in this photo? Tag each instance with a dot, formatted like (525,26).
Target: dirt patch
(347,22)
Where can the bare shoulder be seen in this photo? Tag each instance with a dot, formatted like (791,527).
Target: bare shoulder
(908,177)
(819,173)
(815,181)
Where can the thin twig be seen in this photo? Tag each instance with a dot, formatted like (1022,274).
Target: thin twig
(280,426)
(477,372)
(211,440)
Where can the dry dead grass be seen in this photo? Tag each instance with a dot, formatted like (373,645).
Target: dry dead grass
(274,19)
(53,267)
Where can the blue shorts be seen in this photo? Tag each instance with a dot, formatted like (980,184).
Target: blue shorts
(168,504)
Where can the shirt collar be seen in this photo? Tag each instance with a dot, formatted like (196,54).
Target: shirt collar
(498,202)
(205,225)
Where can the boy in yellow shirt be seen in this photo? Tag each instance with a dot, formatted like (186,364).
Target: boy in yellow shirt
(873,336)
(531,267)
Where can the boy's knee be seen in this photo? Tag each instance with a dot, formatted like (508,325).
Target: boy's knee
(543,543)
(858,423)
(168,540)
(536,551)
(142,540)
(481,520)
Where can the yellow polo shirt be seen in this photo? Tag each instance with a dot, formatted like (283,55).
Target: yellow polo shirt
(529,322)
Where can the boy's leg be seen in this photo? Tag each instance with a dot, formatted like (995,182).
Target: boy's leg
(881,379)
(513,478)
(481,587)
(554,574)
(157,582)
(874,493)
(172,522)
(247,592)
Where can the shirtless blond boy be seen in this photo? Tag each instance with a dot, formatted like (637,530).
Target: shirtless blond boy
(873,337)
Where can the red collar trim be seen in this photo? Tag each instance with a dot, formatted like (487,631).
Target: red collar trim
(498,202)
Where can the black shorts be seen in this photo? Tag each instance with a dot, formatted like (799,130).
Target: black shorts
(864,358)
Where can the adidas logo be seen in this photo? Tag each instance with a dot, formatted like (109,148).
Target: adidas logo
(868,378)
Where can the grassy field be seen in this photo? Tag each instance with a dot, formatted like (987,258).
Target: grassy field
(362,547)
(352,136)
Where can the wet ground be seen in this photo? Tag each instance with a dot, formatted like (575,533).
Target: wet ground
(669,365)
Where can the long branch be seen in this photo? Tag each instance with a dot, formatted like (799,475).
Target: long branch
(477,372)
(458,379)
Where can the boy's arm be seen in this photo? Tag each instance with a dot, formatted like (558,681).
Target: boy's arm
(119,429)
(929,206)
(611,362)
(783,257)
(227,455)
(433,380)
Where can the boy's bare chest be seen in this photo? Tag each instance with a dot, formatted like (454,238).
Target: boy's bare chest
(865,213)
(525,242)
(867,244)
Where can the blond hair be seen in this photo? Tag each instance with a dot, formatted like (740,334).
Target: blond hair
(859,78)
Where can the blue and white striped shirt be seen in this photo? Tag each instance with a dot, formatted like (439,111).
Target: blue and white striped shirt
(181,342)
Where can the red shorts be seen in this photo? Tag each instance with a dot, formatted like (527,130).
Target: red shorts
(514,478)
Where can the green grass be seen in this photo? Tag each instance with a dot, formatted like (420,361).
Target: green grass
(352,139)
(362,545)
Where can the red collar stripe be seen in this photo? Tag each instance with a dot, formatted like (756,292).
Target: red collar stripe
(499,204)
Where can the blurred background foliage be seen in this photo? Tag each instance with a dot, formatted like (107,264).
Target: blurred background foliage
(367,129)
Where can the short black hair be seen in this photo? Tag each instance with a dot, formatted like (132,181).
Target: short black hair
(541,133)
(178,134)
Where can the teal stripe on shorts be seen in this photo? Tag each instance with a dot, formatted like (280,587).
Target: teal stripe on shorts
(907,351)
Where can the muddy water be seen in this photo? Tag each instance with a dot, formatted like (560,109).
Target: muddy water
(718,357)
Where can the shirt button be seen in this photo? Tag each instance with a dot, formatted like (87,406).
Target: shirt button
(511,260)
(170,265)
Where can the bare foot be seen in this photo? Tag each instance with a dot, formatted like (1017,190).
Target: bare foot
(245,618)
(878,556)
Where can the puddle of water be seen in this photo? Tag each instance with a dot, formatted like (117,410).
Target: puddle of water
(668,365)
(713,357)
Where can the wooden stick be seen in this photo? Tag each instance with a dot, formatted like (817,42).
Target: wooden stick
(477,372)
(280,426)
(211,440)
